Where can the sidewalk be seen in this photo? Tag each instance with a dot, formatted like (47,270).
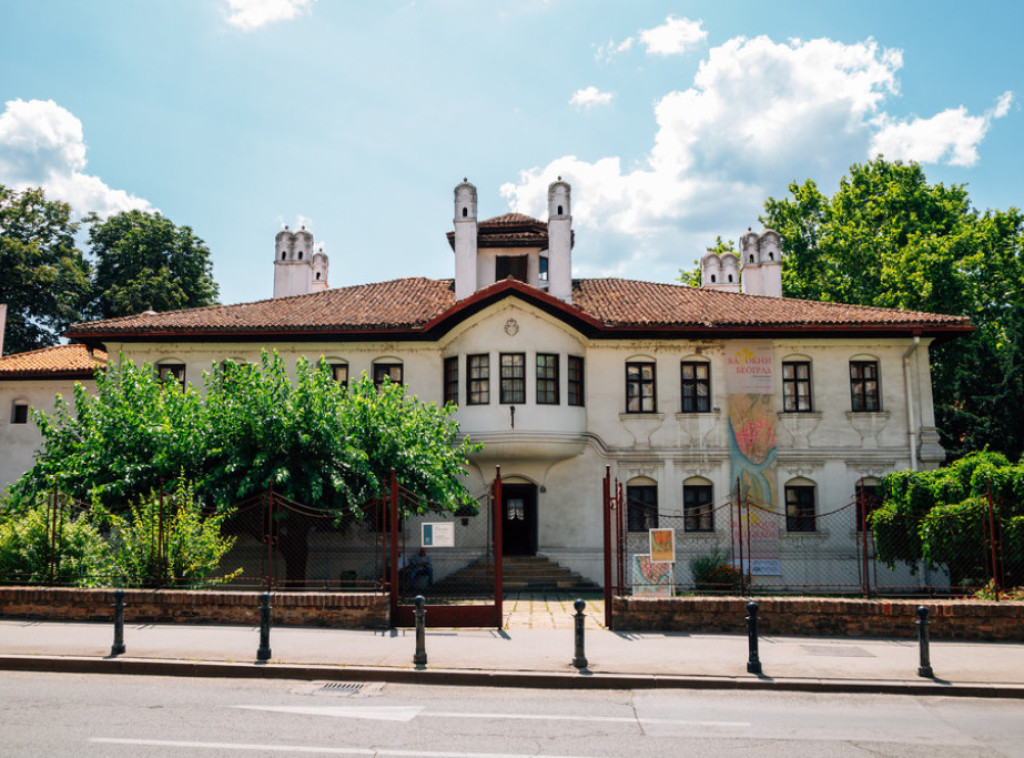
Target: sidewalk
(520,657)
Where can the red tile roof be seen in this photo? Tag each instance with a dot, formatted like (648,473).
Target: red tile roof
(509,230)
(60,361)
(603,307)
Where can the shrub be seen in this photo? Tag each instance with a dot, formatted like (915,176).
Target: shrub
(82,557)
(714,572)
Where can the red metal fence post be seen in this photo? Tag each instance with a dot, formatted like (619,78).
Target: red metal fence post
(499,579)
(392,512)
(607,524)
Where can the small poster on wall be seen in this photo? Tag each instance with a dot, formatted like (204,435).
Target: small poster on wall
(663,545)
(652,579)
(437,534)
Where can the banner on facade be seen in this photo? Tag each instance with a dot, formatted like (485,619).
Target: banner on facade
(750,383)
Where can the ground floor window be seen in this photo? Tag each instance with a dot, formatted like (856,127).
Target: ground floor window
(642,507)
(697,512)
(800,508)
(390,371)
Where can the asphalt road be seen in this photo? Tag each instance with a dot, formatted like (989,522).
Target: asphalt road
(98,715)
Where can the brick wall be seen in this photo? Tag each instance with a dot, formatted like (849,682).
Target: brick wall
(950,619)
(334,609)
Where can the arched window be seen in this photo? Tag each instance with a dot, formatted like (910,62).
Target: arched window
(641,504)
(730,278)
(283,255)
(713,278)
(559,210)
(465,212)
(751,258)
(171,371)
(318,276)
(800,506)
(698,513)
(867,499)
(300,255)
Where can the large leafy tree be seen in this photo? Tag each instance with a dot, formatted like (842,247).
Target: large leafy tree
(44,279)
(889,238)
(144,261)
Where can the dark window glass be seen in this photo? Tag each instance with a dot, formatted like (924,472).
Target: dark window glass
(391,371)
(172,372)
(543,268)
(642,507)
(510,265)
(451,380)
(696,383)
(640,388)
(800,509)
(513,378)
(478,371)
(868,502)
(796,386)
(864,392)
(575,380)
(697,514)
(547,379)
(340,373)
(19,413)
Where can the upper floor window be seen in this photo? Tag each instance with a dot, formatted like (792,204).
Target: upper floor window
(339,371)
(640,388)
(864,391)
(390,371)
(575,380)
(19,412)
(510,265)
(800,508)
(641,507)
(478,371)
(547,379)
(796,386)
(172,372)
(513,378)
(451,380)
(698,515)
(696,383)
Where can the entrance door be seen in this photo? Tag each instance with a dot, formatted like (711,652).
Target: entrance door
(519,519)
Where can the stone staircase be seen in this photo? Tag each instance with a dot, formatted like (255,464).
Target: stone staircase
(522,573)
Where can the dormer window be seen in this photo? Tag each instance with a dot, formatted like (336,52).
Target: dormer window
(510,265)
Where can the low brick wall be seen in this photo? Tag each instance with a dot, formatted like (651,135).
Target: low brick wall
(950,619)
(333,609)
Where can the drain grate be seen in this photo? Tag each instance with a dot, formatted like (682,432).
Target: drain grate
(342,688)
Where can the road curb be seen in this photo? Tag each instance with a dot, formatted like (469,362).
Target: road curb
(490,678)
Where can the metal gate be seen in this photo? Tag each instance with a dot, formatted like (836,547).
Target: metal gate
(452,560)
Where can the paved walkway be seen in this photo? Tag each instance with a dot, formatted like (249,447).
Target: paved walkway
(536,648)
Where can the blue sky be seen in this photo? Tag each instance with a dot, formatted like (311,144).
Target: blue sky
(673,121)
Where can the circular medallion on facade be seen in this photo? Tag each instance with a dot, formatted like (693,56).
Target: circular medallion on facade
(511,327)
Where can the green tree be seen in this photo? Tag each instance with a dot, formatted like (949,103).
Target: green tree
(44,278)
(889,238)
(144,261)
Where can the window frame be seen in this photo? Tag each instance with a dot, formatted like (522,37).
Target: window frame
(451,380)
(641,514)
(335,368)
(19,412)
(575,381)
(791,387)
(379,370)
(801,508)
(174,370)
(478,383)
(861,399)
(698,512)
(548,380)
(513,265)
(512,384)
(639,383)
(694,384)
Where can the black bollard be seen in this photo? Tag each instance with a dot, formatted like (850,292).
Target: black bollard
(118,647)
(580,660)
(753,662)
(420,657)
(925,669)
(263,654)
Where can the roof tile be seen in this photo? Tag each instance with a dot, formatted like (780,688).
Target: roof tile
(59,360)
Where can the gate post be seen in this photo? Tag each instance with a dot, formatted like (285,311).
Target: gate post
(392,511)
(499,579)
(606,495)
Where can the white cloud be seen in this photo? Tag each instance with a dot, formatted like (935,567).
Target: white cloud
(757,115)
(608,51)
(252,14)
(1002,106)
(42,145)
(588,97)
(673,37)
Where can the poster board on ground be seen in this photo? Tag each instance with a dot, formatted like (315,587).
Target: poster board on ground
(652,579)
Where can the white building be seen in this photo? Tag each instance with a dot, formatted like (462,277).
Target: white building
(681,391)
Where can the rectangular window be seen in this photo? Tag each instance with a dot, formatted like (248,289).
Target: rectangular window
(478,371)
(575,380)
(864,392)
(642,507)
(172,372)
(697,514)
(513,378)
(340,373)
(510,265)
(451,380)
(19,413)
(547,379)
(796,386)
(867,503)
(391,371)
(696,382)
(640,388)
(800,509)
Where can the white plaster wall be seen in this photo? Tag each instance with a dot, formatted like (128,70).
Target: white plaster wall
(292,278)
